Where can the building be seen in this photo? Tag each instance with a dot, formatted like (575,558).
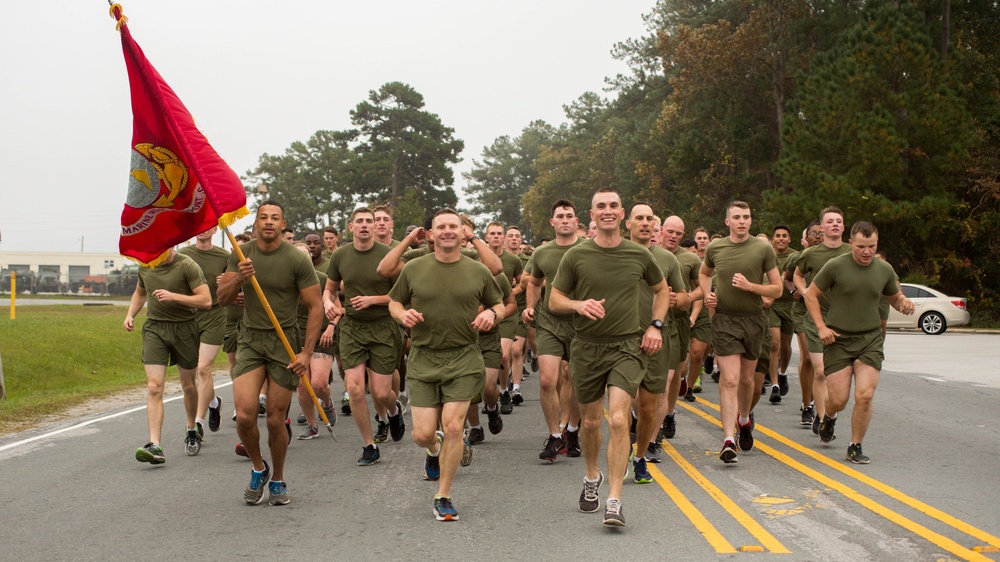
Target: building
(64,272)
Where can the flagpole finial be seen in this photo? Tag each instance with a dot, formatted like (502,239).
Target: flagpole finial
(116,13)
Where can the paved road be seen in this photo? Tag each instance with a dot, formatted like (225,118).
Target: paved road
(930,493)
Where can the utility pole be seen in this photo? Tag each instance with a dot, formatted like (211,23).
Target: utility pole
(81,244)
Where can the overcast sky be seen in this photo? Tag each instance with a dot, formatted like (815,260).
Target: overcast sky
(258,76)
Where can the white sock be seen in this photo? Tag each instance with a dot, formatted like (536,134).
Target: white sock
(214,403)
(199,420)
(572,428)
(517,387)
(744,420)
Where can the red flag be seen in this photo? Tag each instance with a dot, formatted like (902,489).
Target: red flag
(178,185)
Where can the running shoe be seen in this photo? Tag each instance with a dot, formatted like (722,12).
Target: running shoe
(262,406)
(369,456)
(476,435)
(855,455)
(382,433)
(783,384)
(215,416)
(745,438)
(534,362)
(815,425)
(200,430)
(684,388)
(696,387)
(716,374)
(640,473)
(432,464)
(728,453)
(191,443)
(613,513)
(826,429)
(590,500)
(241,450)
(467,452)
(255,491)
(301,420)
(150,453)
(345,404)
(495,421)
(709,363)
(331,413)
(689,395)
(669,426)
(775,395)
(444,511)
(554,446)
(277,493)
(397,425)
(628,464)
(807,415)
(404,400)
(654,453)
(516,398)
(506,406)
(572,441)
(763,389)
(310,432)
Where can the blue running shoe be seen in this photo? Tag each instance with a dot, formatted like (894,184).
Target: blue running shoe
(432,465)
(278,493)
(255,491)
(640,472)
(444,511)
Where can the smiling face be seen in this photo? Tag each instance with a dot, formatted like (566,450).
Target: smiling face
(607,211)
(780,240)
(446,231)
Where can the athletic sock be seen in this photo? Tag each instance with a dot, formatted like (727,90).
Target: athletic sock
(744,420)
(572,428)
(557,435)
(775,386)
(214,403)
(517,387)
(585,479)
(477,426)
(199,421)
(833,417)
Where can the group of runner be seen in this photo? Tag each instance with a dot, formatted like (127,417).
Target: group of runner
(443,321)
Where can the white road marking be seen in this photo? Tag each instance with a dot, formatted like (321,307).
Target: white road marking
(933,379)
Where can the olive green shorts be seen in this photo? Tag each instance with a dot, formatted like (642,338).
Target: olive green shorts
(232,334)
(377,343)
(595,365)
(489,346)
(522,328)
(799,314)
(850,347)
(702,330)
(212,325)
(780,316)
(658,365)
(813,342)
(764,360)
(170,343)
(508,328)
(738,335)
(683,325)
(554,336)
(434,377)
(263,348)
(330,350)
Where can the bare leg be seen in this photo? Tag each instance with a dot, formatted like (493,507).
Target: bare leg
(206,385)
(189,385)
(619,420)
(278,399)
(156,376)
(246,396)
(548,374)
(354,380)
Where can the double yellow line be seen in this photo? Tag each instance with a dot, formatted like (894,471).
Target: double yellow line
(723,546)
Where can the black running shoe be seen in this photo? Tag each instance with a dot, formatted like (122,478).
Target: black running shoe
(534,362)
(476,435)
(715,375)
(763,389)
(669,426)
(262,407)
(495,421)
(397,425)
(775,395)
(516,398)
(215,416)
(815,425)
(192,444)
(301,420)
(746,437)
(709,363)
(826,429)
(654,453)
(553,447)
(590,499)
(613,512)
(382,432)
(728,453)
(506,406)
(201,430)
(807,415)
(369,456)
(783,384)
(689,396)
(572,440)
(855,455)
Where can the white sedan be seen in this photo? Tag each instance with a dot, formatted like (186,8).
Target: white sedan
(933,311)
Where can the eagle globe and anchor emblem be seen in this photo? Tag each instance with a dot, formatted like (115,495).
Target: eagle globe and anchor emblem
(156,179)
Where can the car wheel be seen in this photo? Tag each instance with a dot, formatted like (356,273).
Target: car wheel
(933,323)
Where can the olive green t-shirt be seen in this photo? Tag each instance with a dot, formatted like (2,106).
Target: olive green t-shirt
(671,269)
(522,298)
(855,292)
(302,318)
(544,265)
(505,291)
(358,271)
(212,263)
(426,251)
(281,273)
(448,295)
(588,271)
(512,266)
(690,267)
(783,259)
(811,260)
(753,258)
(322,266)
(182,276)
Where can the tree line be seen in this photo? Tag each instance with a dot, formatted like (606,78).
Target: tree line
(889,109)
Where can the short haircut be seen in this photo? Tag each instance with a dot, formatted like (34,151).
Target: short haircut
(778,227)
(738,204)
(300,244)
(382,207)
(688,243)
(562,203)
(605,190)
(243,237)
(286,229)
(830,209)
(444,211)
(467,220)
(273,203)
(513,227)
(701,229)
(632,207)
(362,210)
(332,230)
(495,223)
(311,233)
(864,228)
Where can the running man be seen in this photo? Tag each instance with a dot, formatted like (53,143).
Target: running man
(512,269)
(747,271)
(438,298)
(779,318)
(171,292)
(811,236)
(554,334)
(606,355)
(211,327)
(370,341)
(285,275)
(518,348)
(851,331)
(322,357)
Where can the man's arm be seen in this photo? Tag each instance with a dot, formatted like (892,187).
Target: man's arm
(705,284)
(201,299)
(230,286)
(811,298)
(486,255)
(562,304)
(391,264)
(771,290)
(331,302)
(652,339)
(799,280)
(532,295)
(134,306)
(310,296)
(406,317)
(899,301)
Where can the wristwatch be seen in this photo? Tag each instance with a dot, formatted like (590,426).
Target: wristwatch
(474,238)
(658,324)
